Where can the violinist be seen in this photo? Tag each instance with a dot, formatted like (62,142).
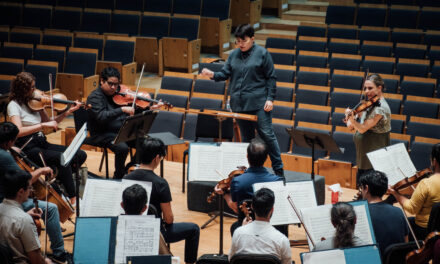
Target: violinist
(31,124)
(17,228)
(106,117)
(389,222)
(241,186)
(424,196)
(8,133)
(374,125)
(151,152)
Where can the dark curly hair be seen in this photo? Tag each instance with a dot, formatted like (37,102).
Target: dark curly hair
(20,87)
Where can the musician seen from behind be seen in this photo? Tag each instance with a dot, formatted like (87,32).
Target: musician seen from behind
(373,126)
(106,117)
(31,123)
(343,218)
(151,152)
(252,80)
(8,134)
(389,222)
(241,186)
(259,236)
(424,196)
(17,228)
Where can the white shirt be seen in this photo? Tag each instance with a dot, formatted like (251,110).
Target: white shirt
(27,116)
(260,237)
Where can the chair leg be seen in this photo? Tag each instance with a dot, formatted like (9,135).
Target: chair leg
(183,172)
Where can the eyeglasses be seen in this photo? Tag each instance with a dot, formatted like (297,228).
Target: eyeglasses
(112,84)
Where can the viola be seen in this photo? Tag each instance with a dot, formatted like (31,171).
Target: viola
(225,184)
(40,101)
(425,253)
(407,186)
(36,218)
(124,96)
(363,106)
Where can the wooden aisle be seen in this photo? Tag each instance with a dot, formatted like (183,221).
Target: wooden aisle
(209,237)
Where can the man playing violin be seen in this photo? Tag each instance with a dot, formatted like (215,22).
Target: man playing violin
(17,228)
(31,124)
(8,134)
(106,117)
(389,222)
(374,125)
(424,196)
(241,186)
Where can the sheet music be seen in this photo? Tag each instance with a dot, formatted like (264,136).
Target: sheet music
(318,221)
(136,235)
(77,141)
(103,197)
(301,192)
(204,159)
(335,256)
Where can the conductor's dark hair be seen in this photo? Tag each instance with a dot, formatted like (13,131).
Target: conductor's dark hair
(150,148)
(110,72)
(257,153)
(15,180)
(263,201)
(377,182)
(8,132)
(134,198)
(435,153)
(343,217)
(243,31)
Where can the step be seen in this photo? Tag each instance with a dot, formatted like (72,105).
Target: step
(308,6)
(299,15)
(280,24)
(263,34)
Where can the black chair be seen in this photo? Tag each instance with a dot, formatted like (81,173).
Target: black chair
(255,259)
(396,253)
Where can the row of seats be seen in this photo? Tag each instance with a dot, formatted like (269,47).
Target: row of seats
(370,33)
(395,16)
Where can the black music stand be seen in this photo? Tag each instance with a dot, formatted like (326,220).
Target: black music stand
(168,139)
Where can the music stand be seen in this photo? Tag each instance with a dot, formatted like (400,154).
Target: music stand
(168,139)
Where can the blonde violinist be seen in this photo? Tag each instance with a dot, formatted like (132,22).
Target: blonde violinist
(31,123)
(424,196)
(373,126)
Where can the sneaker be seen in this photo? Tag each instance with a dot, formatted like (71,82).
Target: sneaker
(64,258)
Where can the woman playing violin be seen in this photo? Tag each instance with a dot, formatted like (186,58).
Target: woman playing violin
(425,195)
(31,124)
(374,125)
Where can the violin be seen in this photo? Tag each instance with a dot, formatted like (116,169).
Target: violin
(124,96)
(36,218)
(407,186)
(40,101)
(425,253)
(363,106)
(225,184)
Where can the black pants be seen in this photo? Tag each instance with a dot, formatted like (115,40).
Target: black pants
(52,156)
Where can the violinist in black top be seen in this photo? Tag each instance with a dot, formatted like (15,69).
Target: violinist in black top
(106,117)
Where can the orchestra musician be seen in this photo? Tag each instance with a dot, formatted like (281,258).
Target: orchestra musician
(106,117)
(252,79)
(17,228)
(31,124)
(424,196)
(151,152)
(343,218)
(374,125)
(8,134)
(389,222)
(259,236)
(241,186)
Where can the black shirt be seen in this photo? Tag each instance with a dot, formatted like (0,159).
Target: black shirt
(160,192)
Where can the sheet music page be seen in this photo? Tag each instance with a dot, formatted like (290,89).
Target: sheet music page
(204,159)
(100,198)
(362,228)
(127,183)
(381,160)
(402,160)
(234,154)
(335,256)
(136,235)
(301,192)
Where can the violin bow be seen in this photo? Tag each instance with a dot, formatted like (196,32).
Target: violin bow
(137,88)
(51,94)
(300,219)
